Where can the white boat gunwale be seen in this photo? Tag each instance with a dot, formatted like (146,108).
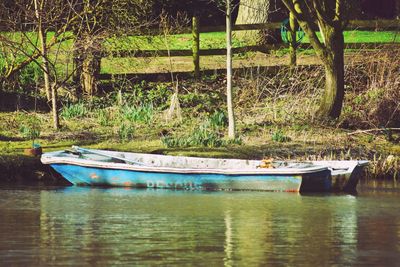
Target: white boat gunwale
(52,158)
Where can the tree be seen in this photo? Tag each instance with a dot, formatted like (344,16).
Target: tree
(86,23)
(231,116)
(21,47)
(331,17)
(257,12)
(42,34)
(100,20)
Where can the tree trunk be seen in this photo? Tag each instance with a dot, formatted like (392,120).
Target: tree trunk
(56,121)
(46,69)
(231,116)
(253,12)
(90,71)
(42,37)
(331,23)
(397,9)
(332,100)
(77,67)
(293,26)
(260,11)
(196,46)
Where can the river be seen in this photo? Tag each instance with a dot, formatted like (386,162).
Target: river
(94,226)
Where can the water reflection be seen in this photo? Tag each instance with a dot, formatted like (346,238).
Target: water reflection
(84,226)
(228,240)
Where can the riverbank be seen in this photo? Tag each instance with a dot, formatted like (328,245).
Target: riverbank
(274,113)
(257,142)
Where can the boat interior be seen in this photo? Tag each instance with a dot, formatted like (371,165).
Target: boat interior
(152,160)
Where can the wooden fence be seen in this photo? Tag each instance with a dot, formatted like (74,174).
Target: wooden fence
(196,30)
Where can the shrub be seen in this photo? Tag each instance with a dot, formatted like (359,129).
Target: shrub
(373,95)
(30,75)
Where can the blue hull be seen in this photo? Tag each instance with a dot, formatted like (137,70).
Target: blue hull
(80,175)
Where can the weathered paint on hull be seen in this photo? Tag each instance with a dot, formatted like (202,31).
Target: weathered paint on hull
(80,175)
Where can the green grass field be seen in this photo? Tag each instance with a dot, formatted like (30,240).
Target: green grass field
(61,55)
(217,40)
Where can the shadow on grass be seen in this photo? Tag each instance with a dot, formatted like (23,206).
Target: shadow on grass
(8,138)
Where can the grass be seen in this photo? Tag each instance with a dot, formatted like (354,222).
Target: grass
(274,116)
(312,142)
(63,60)
(210,40)
(215,40)
(367,37)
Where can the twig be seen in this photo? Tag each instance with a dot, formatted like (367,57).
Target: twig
(374,130)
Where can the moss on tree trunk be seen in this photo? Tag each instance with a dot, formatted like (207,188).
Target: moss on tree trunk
(332,99)
(90,68)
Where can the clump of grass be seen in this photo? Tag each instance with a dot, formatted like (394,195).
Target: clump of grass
(200,136)
(126,132)
(218,119)
(381,167)
(280,137)
(208,134)
(31,129)
(103,117)
(140,113)
(77,110)
(198,139)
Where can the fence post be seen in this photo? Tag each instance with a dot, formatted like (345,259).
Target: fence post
(293,25)
(196,46)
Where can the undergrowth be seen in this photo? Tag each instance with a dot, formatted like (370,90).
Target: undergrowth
(209,133)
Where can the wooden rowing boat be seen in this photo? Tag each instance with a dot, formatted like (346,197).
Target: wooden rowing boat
(91,167)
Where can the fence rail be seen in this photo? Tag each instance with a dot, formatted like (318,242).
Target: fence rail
(238,50)
(195,52)
(351,25)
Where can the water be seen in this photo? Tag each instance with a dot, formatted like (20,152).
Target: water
(85,226)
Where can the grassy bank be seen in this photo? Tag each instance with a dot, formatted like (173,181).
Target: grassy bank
(258,140)
(274,114)
(274,119)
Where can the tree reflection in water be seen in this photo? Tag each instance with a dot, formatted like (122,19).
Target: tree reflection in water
(124,226)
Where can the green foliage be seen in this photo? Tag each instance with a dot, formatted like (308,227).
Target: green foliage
(126,132)
(141,93)
(159,95)
(100,102)
(207,134)
(30,129)
(103,117)
(301,127)
(140,114)
(279,136)
(31,74)
(218,119)
(77,110)
(201,101)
